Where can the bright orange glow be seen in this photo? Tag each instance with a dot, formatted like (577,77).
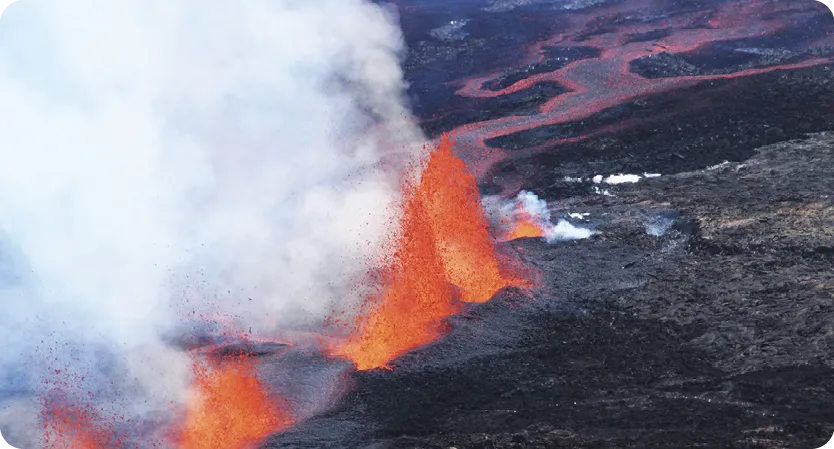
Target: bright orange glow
(460,226)
(229,407)
(443,241)
(415,299)
(525,226)
(69,427)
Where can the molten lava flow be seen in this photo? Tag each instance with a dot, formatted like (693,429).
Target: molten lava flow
(415,299)
(229,407)
(460,226)
(525,226)
(70,427)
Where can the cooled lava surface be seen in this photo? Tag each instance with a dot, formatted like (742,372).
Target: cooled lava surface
(701,312)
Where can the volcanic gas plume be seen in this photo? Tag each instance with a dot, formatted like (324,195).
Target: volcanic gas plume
(229,406)
(166,161)
(528,216)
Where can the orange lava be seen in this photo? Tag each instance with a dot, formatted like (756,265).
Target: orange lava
(443,241)
(460,226)
(229,407)
(70,427)
(416,297)
(525,226)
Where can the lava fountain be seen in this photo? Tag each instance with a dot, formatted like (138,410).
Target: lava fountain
(229,407)
(414,300)
(443,242)
(460,227)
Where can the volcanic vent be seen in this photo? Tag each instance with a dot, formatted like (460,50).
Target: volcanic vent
(444,256)
(205,195)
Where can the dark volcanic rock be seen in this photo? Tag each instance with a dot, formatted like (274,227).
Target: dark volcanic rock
(664,64)
(469,110)
(716,121)
(555,58)
(249,349)
(717,333)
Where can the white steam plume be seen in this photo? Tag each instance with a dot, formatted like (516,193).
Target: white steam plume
(160,158)
(537,209)
(528,206)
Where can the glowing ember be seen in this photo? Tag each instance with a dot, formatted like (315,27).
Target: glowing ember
(460,226)
(70,427)
(229,407)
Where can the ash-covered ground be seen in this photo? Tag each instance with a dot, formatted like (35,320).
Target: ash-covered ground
(701,313)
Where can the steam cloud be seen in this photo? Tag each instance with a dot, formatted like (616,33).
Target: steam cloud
(166,159)
(537,208)
(503,211)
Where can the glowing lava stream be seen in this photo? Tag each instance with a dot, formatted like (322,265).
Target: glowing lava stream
(606,81)
(443,241)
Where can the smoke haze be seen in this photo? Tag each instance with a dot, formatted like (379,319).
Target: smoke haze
(169,159)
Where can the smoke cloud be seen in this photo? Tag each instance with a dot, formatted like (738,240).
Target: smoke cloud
(161,160)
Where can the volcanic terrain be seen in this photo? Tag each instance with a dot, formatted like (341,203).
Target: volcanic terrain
(700,313)
(685,151)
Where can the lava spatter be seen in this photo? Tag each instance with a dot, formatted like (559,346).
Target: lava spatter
(70,426)
(524,226)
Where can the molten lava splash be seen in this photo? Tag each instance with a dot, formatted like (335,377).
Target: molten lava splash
(415,299)
(71,427)
(460,226)
(229,407)
(525,226)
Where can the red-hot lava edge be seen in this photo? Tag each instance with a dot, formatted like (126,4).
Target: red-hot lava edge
(445,255)
(603,82)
